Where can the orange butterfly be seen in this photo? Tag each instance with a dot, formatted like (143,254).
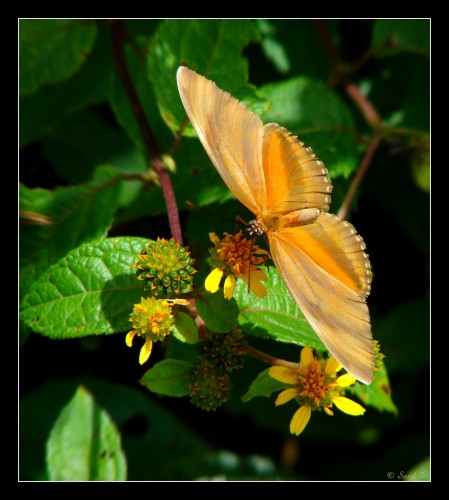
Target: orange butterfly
(320,257)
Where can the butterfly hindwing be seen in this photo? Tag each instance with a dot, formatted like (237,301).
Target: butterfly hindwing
(326,270)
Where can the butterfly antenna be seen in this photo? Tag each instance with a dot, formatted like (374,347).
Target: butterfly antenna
(237,220)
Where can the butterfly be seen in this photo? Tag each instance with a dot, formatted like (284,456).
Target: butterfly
(320,257)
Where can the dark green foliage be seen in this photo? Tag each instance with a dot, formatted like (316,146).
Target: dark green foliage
(88,410)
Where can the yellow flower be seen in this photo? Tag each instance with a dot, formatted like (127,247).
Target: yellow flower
(152,320)
(236,257)
(315,386)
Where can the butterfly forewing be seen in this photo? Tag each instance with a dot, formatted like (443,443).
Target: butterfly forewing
(230,133)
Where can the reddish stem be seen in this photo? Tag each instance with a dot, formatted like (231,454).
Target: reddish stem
(361,171)
(118,32)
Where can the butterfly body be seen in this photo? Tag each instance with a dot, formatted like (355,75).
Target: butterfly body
(320,258)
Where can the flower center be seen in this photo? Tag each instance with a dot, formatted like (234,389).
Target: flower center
(311,379)
(239,254)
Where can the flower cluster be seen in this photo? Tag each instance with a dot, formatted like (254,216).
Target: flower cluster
(152,320)
(315,386)
(166,267)
(236,257)
(219,355)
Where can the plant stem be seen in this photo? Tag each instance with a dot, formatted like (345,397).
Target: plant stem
(365,106)
(266,358)
(361,171)
(118,40)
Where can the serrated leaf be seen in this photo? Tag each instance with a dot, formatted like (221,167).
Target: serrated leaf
(185,329)
(276,315)
(70,208)
(91,291)
(211,47)
(318,117)
(219,314)
(84,443)
(263,385)
(75,155)
(170,377)
(40,112)
(378,393)
(411,35)
(52,49)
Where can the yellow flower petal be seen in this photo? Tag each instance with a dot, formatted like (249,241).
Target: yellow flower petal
(306,357)
(283,374)
(258,274)
(300,420)
(332,366)
(348,406)
(214,238)
(130,337)
(229,286)
(257,286)
(145,351)
(286,396)
(346,380)
(213,280)
(328,411)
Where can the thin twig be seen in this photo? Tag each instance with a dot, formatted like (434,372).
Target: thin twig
(365,106)
(342,71)
(118,40)
(266,358)
(361,171)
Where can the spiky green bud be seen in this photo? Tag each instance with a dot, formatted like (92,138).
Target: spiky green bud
(166,267)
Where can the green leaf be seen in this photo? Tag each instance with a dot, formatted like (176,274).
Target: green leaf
(318,117)
(41,111)
(294,47)
(52,49)
(219,314)
(263,385)
(121,106)
(185,329)
(70,208)
(404,336)
(170,377)
(156,441)
(421,472)
(85,141)
(410,35)
(91,291)
(378,393)
(276,315)
(212,47)
(84,444)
